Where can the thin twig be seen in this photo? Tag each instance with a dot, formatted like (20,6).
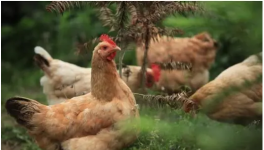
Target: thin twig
(145,60)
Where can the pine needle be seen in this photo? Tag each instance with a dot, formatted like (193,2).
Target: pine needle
(175,65)
(175,101)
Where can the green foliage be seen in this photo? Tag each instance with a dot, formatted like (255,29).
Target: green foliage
(19,135)
(176,130)
(237,26)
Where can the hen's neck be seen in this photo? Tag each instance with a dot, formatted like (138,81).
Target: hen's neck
(104,79)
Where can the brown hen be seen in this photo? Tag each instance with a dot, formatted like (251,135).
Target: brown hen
(199,50)
(235,95)
(88,122)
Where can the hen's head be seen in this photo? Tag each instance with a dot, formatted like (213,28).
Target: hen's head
(132,76)
(153,76)
(107,48)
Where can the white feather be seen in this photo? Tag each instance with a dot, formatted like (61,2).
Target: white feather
(41,51)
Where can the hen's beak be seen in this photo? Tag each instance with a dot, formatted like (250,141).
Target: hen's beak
(117,48)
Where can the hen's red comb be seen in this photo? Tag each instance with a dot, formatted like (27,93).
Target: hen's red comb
(106,38)
(156,70)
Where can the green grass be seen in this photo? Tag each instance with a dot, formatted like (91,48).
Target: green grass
(161,128)
(20,83)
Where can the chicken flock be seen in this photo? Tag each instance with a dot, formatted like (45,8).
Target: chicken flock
(89,107)
(63,80)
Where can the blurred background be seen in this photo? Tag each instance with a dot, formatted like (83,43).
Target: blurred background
(27,24)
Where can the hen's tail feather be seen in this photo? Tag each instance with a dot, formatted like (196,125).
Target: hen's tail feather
(41,61)
(41,51)
(42,57)
(22,109)
(254,59)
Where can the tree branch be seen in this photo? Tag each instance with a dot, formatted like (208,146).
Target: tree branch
(145,59)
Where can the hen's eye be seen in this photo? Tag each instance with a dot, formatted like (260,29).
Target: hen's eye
(104,47)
